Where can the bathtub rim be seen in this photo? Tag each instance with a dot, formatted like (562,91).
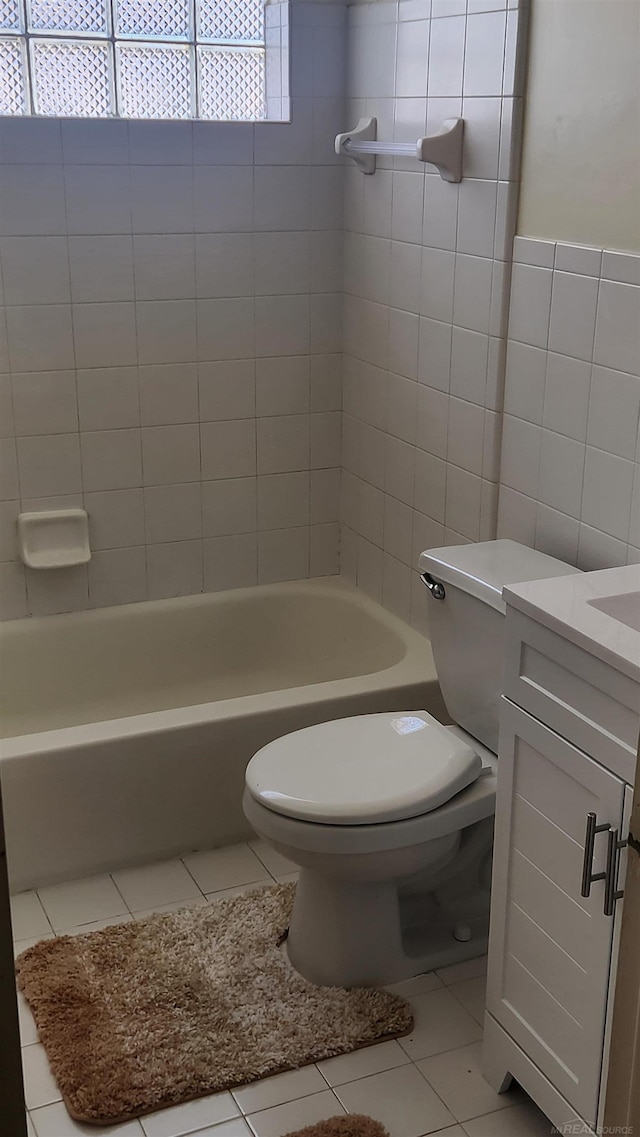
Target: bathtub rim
(416,665)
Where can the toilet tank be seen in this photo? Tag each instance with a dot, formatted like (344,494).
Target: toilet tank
(466,625)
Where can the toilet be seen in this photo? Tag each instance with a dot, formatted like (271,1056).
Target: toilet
(390,815)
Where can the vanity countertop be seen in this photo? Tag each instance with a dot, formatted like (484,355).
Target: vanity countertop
(598,611)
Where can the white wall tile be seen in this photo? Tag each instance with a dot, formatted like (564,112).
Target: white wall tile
(49,464)
(117,576)
(532,251)
(98,199)
(520,455)
(617,343)
(578,258)
(116,518)
(44,402)
(440,212)
(530,304)
(223,198)
(174,569)
(101,268)
(224,264)
(477,217)
(525,381)
(283,554)
(561,472)
(162,199)
(168,393)
(614,412)
(472,292)
(94,339)
(566,396)
(230,562)
(283,444)
(283,385)
(40,337)
(446,56)
(35,270)
(436,298)
(225,328)
(411,59)
(573,314)
(166,331)
(108,398)
(624,267)
(484,53)
(111,459)
(283,501)
(173,513)
(608,486)
(229,506)
(228,449)
(170,454)
(164,266)
(32,203)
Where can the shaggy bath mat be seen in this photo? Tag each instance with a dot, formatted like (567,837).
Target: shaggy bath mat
(355,1125)
(159,1011)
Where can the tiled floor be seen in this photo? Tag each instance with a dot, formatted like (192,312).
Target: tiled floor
(428,1082)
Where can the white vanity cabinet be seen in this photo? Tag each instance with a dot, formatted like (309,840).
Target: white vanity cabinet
(552,949)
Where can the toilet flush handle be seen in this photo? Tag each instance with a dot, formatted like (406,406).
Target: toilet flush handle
(436,588)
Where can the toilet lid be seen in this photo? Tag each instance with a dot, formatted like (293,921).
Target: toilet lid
(363,770)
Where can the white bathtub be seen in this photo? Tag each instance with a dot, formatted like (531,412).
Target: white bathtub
(127,730)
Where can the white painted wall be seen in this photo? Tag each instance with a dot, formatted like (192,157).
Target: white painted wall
(581,147)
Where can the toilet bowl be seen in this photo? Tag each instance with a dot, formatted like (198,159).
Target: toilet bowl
(390,816)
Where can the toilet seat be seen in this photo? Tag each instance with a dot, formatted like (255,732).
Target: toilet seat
(364,770)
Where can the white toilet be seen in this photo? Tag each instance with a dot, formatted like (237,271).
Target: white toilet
(390,816)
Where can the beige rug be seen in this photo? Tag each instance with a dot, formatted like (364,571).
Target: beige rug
(355,1125)
(159,1011)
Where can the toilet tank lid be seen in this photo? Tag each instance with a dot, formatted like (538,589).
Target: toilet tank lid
(484,568)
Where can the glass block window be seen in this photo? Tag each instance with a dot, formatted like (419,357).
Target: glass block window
(161,59)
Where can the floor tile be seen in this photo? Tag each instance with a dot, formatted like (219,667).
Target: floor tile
(176,906)
(469,969)
(401,1099)
(440,1023)
(26,1022)
(418,985)
(40,1086)
(28,917)
(273,861)
(96,925)
(368,1060)
(287,877)
(239,890)
(191,1116)
(30,1128)
(54,1121)
(524,1120)
(81,901)
(21,945)
(150,885)
(279,1089)
(456,1077)
(225,868)
(235,1128)
(472,993)
(295,1115)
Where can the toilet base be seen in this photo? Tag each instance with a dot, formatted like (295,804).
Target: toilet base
(359,935)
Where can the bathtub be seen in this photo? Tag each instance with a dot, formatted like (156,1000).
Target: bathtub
(126,731)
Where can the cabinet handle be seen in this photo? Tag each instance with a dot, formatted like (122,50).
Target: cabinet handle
(611,893)
(588,876)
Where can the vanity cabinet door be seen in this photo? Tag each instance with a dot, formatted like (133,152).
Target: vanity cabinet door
(550,948)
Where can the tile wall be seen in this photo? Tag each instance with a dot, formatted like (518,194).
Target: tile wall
(570,475)
(426,287)
(172,330)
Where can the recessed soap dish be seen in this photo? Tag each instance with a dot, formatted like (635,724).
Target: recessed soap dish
(58,538)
